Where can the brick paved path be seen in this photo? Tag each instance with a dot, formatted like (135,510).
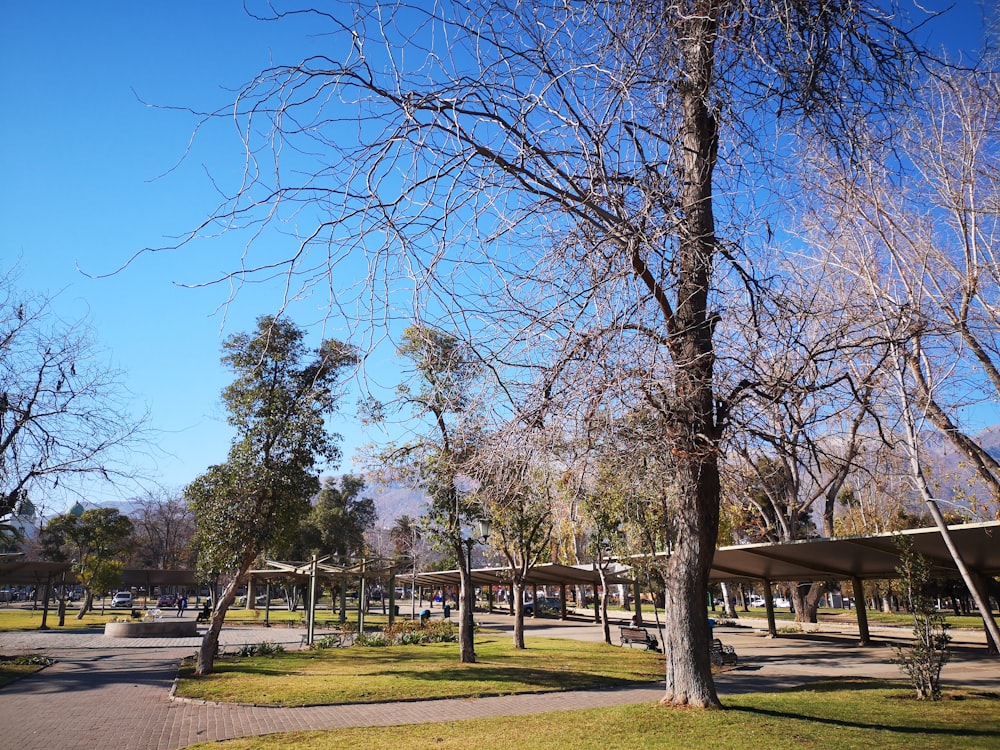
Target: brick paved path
(115,692)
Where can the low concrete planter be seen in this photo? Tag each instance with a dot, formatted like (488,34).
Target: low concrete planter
(156,629)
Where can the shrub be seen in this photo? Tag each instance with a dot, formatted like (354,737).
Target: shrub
(327,641)
(375,639)
(440,631)
(922,662)
(344,636)
(265,648)
(31,660)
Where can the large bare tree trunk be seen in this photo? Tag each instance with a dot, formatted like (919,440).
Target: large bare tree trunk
(693,432)
(688,668)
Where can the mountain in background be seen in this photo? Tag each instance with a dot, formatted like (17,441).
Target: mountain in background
(949,470)
(393,501)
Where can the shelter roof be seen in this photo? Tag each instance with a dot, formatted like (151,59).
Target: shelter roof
(541,575)
(864,557)
(22,572)
(38,572)
(324,569)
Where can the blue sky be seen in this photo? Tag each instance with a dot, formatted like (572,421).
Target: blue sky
(92,173)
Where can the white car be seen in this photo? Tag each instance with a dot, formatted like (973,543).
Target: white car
(122,599)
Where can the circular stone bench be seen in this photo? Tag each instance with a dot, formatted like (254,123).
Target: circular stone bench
(157,629)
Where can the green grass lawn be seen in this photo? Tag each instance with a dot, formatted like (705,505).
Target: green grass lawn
(369,675)
(15,618)
(838,715)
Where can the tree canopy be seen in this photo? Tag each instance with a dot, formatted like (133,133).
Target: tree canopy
(278,404)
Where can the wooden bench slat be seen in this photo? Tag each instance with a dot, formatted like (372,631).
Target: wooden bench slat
(638,635)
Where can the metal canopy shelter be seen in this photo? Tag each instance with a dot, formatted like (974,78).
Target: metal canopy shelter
(37,573)
(854,559)
(320,568)
(868,557)
(549,574)
(858,559)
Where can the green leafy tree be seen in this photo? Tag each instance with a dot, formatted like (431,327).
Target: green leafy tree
(278,404)
(95,541)
(339,518)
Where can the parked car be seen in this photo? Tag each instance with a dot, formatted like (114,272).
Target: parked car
(122,599)
(167,600)
(546,605)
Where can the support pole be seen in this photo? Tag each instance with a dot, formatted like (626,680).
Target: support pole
(637,595)
(864,635)
(267,604)
(45,603)
(311,632)
(392,595)
(772,629)
(362,600)
(982,584)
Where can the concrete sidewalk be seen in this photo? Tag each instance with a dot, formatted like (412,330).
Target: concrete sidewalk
(103,691)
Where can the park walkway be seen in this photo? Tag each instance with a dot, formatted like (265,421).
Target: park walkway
(116,692)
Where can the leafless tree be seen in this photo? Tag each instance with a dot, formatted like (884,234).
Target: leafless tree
(518,481)
(922,248)
(63,418)
(164,532)
(561,171)
(811,368)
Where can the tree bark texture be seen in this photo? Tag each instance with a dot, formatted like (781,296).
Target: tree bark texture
(693,432)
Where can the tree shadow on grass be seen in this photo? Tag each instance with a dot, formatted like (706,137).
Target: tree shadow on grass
(903,729)
(518,677)
(897,689)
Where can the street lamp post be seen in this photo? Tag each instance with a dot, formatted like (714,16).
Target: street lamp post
(484,535)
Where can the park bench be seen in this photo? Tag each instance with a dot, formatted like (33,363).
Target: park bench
(721,654)
(640,636)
